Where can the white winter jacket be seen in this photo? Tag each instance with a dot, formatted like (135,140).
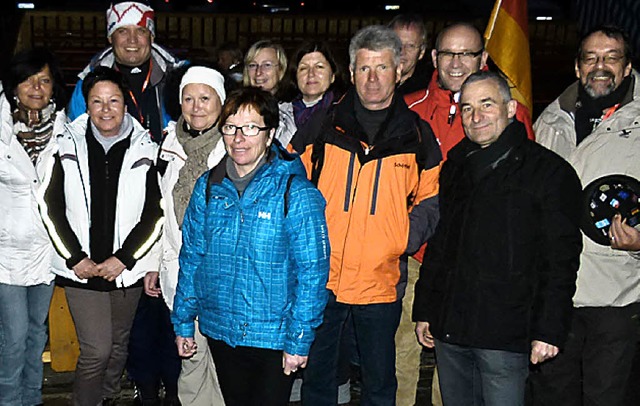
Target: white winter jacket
(72,148)
(25,248)
(172,152)
(606,277)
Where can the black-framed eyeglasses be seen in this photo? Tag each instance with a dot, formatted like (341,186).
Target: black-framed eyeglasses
(464,56)
(248,130)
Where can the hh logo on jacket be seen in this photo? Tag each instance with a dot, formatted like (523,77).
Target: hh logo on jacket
(264,215)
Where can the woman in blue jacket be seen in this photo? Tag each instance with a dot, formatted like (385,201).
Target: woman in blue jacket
(255,258)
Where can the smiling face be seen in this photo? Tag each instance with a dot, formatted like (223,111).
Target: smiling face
(36,91)
(246,152)
(131,45)
(375,75)
(602,65)
(106,107)
(485,113)
(264,70)
(314,76)
(453,71)
(200,106)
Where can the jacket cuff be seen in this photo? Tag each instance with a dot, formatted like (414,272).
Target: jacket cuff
(75,259)
(185,330)
(126,259)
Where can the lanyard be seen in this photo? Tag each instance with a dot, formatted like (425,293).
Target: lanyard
(144,86)
(610,111)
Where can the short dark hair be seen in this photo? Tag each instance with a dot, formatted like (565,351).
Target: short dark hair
(104,74)
(28,63)
(407,21)
(611,31)
(503,85)
(263,102)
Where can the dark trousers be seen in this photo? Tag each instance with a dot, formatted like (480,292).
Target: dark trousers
(103,321)
(594,366)
(478,377)
(250,376)
(153,355)
(375,327)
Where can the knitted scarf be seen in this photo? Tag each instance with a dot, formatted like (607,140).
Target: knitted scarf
(34,128)
(197,146)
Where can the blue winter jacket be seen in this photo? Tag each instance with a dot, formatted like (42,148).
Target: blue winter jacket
(253,276)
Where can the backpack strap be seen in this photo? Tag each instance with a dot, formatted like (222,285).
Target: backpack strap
(286,194)
(216,175)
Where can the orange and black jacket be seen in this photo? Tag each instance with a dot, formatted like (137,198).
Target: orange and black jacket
(382,199)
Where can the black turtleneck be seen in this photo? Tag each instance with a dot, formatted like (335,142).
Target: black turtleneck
(370,120)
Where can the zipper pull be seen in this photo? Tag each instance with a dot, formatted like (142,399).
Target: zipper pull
(366,150)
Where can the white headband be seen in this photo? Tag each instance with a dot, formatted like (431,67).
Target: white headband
(206,76)
(130,13)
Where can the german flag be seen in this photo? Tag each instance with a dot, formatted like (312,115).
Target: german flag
(507,42)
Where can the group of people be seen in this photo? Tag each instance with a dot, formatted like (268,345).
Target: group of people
(283,227)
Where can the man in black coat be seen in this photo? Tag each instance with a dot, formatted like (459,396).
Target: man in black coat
(495,289)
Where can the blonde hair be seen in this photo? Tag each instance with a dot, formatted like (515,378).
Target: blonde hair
(253,51)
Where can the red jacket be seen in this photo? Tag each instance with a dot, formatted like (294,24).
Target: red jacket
(437,107)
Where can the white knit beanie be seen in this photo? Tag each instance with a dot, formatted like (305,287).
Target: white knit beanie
(206,76)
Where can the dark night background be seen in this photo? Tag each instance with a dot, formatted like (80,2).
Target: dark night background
(470,9)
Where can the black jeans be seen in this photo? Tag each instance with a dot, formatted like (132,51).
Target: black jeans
(250,376)
(594,366)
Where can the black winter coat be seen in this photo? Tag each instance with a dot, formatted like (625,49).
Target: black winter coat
(500,270)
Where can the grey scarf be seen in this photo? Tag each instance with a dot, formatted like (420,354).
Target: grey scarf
(197,148)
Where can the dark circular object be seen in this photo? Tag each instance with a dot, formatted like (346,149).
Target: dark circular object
(605,197)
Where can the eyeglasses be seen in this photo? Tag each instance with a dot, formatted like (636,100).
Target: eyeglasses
(410,47)
(465,56)
(264,67)
(248,130)
(610,59)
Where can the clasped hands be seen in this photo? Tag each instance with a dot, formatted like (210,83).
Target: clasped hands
(109,269)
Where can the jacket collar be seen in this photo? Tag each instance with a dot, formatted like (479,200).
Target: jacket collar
(513,136)
(78,128)
(399,118)
(569,97)
(162,61)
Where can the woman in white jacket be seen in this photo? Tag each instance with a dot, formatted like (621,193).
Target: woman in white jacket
(191,147)
(31,113)
(101,205)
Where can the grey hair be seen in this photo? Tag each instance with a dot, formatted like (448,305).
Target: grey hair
(503,86)
(375,38)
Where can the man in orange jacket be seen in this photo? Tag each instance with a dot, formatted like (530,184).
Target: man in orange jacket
(377,164)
